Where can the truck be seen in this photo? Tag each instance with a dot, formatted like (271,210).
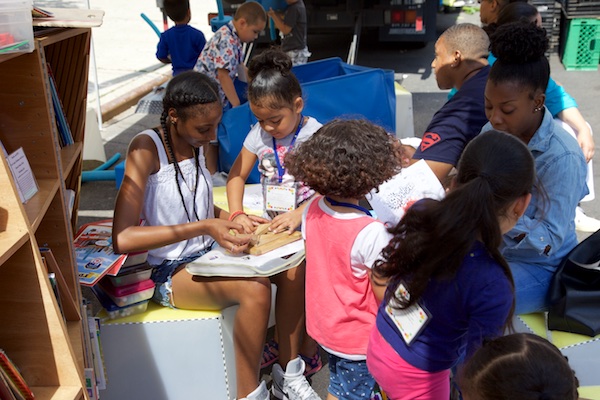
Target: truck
(393,20)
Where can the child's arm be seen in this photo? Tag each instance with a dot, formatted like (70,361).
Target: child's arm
(283,28)
(128,236)
(162,51)
(235,190)
(289,221)
(572,117)
(228,87)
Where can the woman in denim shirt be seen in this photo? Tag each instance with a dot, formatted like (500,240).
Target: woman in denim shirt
(514,103)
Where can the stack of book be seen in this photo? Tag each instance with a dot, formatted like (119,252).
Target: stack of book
(12,384)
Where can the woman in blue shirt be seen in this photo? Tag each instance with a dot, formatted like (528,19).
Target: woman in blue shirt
(514,103)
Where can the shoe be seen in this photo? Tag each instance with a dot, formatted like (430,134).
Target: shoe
(270,354)
(260,393)
(313,364)
(583,223)
(292,384)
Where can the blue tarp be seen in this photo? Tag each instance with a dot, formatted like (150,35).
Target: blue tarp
(331,89)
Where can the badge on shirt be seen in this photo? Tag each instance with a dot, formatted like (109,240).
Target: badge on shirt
(409,321)
(280,197)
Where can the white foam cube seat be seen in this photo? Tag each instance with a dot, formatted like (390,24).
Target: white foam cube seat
(165,353)
(582,351)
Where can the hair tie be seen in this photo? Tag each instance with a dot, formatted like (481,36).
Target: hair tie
(485,176)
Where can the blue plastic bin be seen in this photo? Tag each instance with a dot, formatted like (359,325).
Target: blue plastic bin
(331,89)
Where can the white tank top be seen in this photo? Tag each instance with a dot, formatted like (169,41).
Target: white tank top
(163,204)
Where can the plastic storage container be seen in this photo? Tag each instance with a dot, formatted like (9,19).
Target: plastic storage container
(128,276)
(128,294)
(581,44)
(113,311)
(16,29)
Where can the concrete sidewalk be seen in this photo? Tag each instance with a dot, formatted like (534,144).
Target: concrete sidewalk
(124,66)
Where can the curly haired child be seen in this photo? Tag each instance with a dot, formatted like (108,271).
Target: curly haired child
(343,161)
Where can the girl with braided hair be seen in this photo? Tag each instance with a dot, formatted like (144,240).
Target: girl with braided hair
(167,184)
(449,288)
(515,103)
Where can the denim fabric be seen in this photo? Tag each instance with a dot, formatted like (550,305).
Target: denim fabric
(161,275)
(349,379)
(548,224)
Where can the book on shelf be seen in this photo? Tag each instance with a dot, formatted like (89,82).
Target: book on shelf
(20,168)
(37,12)
(14,378)
(90,384)
(95,255)
(70,201)
(220,262)
(64,131)
(5,391)
(94,329)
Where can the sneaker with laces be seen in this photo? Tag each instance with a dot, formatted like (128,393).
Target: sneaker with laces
(313,364)
(292,384)
(260,393)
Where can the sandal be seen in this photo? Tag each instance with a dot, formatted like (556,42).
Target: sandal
(270,354)
(313,364)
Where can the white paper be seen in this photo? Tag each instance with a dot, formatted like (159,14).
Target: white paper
(23,175)
(411,184)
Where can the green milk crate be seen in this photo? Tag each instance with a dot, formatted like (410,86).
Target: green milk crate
(581,44)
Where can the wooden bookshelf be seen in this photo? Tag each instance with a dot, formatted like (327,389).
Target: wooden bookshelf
(49,349)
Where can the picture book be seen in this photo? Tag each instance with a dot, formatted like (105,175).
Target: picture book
(14,379)
(220,262)
(95,255)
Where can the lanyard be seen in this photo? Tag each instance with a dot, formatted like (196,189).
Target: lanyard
(344,204)
(280,169)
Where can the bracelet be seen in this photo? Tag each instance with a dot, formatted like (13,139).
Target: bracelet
(236,214)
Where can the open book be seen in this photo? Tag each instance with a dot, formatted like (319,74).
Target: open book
(219,262)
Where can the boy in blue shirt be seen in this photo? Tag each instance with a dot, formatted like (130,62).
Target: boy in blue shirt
(181,44)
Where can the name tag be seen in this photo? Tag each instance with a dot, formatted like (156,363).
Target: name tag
(409,321)
(280,198)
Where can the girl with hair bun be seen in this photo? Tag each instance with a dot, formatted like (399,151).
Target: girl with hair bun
(514,103)
(275,99)
(449,288)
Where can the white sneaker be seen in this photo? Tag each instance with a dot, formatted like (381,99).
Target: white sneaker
(260,393)
(583,223)
(292,385)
